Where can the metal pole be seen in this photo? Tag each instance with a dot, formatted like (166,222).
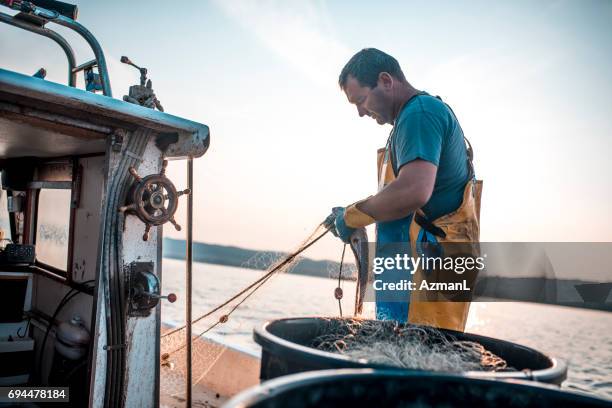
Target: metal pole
(189,257)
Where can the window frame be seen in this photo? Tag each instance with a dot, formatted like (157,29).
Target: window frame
(9,216)
(31,222)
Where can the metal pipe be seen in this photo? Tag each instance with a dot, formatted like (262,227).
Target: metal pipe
(61,41)
(189,256)
(95,46)
(50,15)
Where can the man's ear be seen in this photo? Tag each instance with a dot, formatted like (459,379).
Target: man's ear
(385,80)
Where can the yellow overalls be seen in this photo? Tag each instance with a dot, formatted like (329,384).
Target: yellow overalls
(461,225)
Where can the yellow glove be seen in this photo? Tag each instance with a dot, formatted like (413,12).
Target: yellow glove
(355,218)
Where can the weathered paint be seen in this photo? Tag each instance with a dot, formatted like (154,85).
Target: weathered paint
(52,97)
(98,372)
(97,388)
(142,332)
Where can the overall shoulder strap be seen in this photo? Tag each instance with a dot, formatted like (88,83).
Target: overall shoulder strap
(468,145)
(392,132)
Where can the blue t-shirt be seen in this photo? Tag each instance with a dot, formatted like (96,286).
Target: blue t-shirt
(427,129)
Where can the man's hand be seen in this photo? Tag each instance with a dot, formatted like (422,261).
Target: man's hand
(342,222)
(336,224)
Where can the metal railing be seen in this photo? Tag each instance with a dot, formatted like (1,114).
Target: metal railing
(33,18)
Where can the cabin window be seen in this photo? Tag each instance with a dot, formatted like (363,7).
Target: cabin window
(53,227)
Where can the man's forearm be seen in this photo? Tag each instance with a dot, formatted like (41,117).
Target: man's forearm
(392,203)
(410,191)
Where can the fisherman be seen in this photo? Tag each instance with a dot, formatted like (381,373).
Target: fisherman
(427,191)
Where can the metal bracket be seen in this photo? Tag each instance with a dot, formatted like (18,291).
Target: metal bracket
(117,140)
(111,347)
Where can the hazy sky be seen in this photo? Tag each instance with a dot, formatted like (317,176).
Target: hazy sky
(529,81)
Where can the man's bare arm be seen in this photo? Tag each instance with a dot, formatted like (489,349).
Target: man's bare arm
(408,192)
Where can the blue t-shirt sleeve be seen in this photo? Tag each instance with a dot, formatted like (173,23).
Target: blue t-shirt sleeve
(418,135)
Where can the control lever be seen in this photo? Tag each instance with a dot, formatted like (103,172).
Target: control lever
(144,289)
(170,297)
(142,94)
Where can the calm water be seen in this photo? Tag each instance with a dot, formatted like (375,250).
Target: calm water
(582,337)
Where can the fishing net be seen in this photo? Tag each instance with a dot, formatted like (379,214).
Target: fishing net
(407,346)
(205,353)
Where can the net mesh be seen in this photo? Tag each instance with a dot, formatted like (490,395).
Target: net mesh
(205,353)
(407,346)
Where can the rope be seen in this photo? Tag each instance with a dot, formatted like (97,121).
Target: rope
(338,293)
(249,290)
(256,285)
(222,319)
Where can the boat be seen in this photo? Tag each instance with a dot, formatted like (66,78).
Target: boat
(84,202)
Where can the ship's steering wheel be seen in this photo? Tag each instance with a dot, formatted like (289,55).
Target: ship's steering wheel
(153,199)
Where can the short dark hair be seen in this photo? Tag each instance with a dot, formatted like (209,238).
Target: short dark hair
(367,64)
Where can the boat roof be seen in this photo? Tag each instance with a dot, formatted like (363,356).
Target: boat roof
(48,119)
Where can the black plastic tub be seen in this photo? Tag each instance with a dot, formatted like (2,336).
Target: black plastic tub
(285,350)
(395,389)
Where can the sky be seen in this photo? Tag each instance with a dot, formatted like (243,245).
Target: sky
(529,81)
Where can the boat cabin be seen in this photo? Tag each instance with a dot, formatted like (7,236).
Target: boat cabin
(83,202)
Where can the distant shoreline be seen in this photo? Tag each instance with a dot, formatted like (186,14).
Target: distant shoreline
(248,258)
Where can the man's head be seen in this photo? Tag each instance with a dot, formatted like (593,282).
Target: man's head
(371,80)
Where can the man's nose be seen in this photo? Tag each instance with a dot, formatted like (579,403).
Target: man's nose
(362,112)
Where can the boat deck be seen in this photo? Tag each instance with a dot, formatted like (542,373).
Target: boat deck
(219,372)
(202,397)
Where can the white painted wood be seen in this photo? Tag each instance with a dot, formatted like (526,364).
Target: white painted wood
(142,332)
